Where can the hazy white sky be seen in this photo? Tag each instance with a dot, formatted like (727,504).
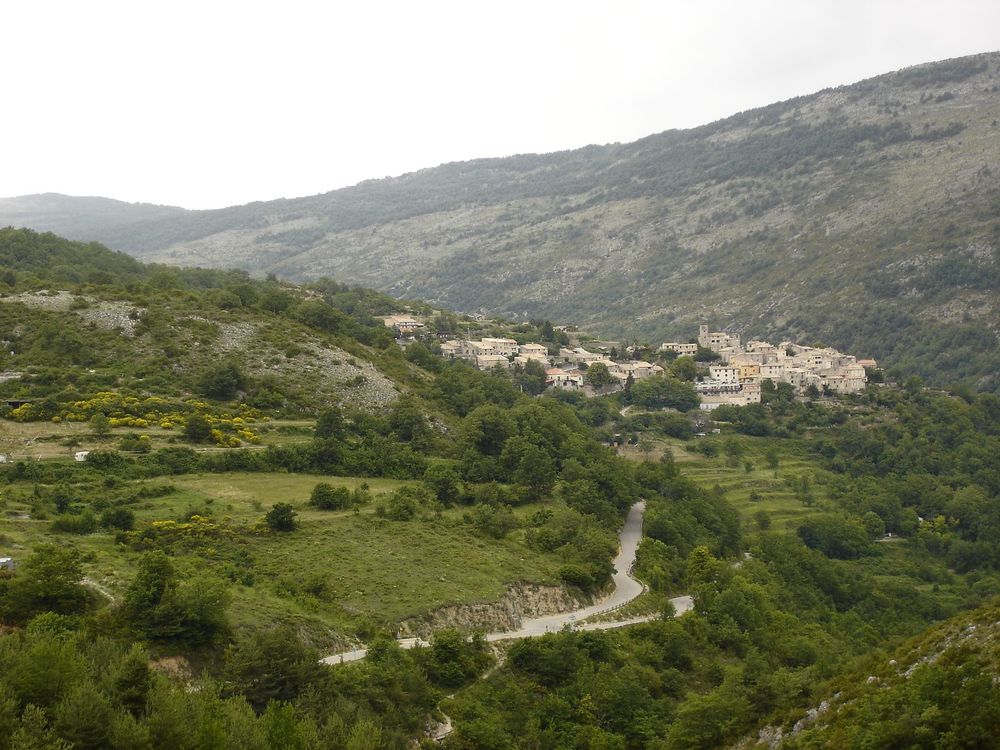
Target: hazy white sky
(206,104)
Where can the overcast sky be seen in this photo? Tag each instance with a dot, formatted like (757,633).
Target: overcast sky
(206,104)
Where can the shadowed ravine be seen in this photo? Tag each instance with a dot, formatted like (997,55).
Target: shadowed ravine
(626,588)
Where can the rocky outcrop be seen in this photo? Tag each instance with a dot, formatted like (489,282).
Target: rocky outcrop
(109,315)
(520,602)
(331,374)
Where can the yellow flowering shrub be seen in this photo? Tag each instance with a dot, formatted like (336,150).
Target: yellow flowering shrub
(21,413)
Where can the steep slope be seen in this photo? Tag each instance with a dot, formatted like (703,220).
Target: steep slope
(865,216)
(939,690)
(80,318)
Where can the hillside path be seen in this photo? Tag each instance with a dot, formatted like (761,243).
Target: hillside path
(93,585)
(626,588)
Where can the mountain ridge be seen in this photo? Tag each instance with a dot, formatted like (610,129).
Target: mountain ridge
(888,186)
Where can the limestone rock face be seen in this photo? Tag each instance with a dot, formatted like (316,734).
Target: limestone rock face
(862,216)
(520,602)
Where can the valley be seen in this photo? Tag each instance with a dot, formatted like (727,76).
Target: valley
(211,480)
(888,185)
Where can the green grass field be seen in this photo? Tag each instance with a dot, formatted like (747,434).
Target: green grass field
(244,496)
(762,488)
(338,570)
(50,440)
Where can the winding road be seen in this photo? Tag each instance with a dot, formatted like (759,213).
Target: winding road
(626,588)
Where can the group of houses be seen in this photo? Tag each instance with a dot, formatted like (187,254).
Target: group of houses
(734,378)
(737,377)
(567,369)
(571,364)
(402,325)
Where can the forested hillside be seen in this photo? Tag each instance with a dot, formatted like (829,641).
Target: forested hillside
(940,688)
(863,216)
(198,503)
(196,500)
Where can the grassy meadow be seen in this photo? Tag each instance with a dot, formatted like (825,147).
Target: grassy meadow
(759,480)
(340,571)
(50,440)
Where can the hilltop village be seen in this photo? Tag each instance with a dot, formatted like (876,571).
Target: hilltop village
(737,377)
(727,371)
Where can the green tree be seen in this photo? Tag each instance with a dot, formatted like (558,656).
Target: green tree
(100,424)
(576,574)
(35,734)
(222,381)
(197,428)
(422,356)
(150,599)
(734,450)
(133,443)
(453,659)
(767,390)
(530,378)
(495,521)
(59,344)
(127,732)
(443,481)
(599,376)
(536,472)
(706,355)
(407,421)
(46,665)
(709,720)
(318,314)
(327,497)
(9,711)
(283,730)
(784,392)
(487,428)
(585,496)
(914,384)
(664,391)
(281,517)
(771,457)
(402,504)
(131,680)
(331,424)
(873,524)
(82,717)
(158,606)
(684,368)
(365,735)
(702,565)
(118,518)
(271,665)
(835,536)
(48,581)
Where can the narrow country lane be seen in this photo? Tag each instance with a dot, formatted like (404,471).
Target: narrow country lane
(626,588)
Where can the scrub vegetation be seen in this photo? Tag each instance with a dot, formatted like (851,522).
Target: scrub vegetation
(862,216)
(236,518)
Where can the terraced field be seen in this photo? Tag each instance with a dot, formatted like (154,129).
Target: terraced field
(766,477)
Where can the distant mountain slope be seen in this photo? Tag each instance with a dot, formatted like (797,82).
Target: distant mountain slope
(79,218)
(867,216)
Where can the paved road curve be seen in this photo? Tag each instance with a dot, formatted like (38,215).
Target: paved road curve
(626,588)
